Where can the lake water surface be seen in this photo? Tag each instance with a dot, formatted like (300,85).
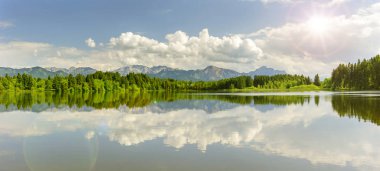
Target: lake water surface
(190,131)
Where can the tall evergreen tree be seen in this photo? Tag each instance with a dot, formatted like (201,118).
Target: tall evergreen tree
(317,82)
(363,75)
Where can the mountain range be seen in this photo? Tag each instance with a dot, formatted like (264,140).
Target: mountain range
(207,74)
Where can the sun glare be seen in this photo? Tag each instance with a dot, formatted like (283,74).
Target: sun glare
(318,24)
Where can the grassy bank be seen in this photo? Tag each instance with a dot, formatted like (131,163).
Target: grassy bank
(291,89)
(248,89)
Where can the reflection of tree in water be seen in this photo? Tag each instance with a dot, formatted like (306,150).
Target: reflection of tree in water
(28,100)
(363,108)
(316,100)
(281,100)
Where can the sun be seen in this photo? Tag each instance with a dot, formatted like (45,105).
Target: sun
(318,24)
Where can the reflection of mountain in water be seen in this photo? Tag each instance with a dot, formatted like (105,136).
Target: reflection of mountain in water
(209,106)
(291,130)
(157,101)
(365,108)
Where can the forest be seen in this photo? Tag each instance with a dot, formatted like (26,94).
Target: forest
(113,81)
(363,75)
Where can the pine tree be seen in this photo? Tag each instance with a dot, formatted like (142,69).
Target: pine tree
(317,82)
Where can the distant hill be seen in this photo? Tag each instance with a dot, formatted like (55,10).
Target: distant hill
(209,73)
(142,69)
(206,74)
(212,73)
(40,72)
(34,71)
(73,70)
(265,71)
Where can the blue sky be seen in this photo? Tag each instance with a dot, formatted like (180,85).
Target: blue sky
(67,22)
(54,33)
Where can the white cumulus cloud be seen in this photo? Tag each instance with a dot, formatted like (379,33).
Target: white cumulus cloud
(295,47)
(90,42)
(182,51)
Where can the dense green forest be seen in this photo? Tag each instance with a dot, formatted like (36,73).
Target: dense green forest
(113,81)
(281,81)
(363,75)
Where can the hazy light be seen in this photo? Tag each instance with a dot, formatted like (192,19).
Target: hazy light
(318,24)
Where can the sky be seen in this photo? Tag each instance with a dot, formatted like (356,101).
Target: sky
(298,36)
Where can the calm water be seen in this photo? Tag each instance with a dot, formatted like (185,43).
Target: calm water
(188,132)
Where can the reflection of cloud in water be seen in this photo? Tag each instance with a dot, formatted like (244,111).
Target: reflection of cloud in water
(306,132)
(316,135)
(209,106)
(187,127)
(176,127)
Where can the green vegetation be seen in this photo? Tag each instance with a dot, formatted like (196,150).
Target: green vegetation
(97,82)
(114,82)
(364,108)
(44,100)
(363,75)
(361,107)
(311,87)
(280,81)
(317,82)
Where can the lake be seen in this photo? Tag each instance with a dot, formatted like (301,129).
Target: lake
(146,131)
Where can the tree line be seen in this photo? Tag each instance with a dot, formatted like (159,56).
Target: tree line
(281,81)
(113,81)
(363,75)
(96,82)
